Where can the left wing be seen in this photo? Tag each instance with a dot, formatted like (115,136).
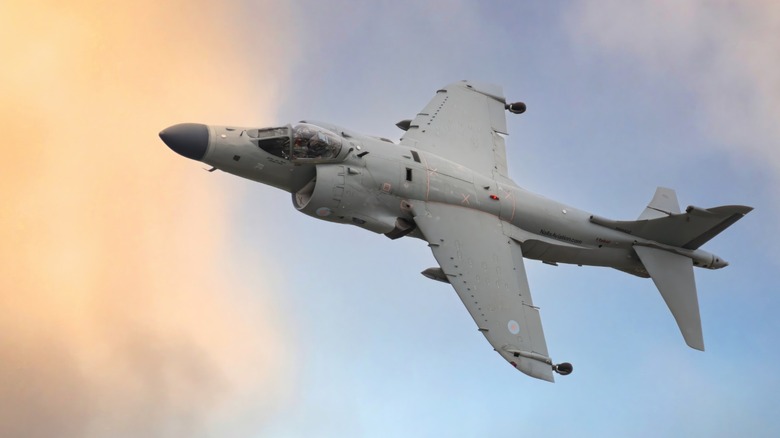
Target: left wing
(463,123)
(486,269)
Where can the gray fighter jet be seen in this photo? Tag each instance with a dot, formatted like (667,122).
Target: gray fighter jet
(446,182)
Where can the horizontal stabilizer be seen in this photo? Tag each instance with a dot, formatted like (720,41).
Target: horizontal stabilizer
(673,276)
(688,230)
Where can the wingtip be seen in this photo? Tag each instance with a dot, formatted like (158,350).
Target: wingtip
(693,336)
(696,345)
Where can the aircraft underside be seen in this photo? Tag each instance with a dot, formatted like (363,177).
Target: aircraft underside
(446,182)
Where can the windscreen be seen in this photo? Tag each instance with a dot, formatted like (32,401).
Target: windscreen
(275,141)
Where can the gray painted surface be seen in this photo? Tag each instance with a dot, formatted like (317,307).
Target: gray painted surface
(479,224)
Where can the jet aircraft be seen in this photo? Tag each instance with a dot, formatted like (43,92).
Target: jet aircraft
(446,182)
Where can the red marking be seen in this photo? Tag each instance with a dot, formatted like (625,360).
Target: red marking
(513,364)
(494,197)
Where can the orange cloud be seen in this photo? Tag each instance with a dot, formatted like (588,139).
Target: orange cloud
(116,316)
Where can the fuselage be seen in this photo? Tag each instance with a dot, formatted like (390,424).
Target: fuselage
(350,178)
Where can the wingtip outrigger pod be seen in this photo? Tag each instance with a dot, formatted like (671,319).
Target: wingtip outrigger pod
(563,368)
(515,107)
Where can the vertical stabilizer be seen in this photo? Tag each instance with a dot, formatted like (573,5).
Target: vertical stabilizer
(673,276)
(664,203)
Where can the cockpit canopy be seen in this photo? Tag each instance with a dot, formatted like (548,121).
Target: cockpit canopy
(313,142)
(300,142)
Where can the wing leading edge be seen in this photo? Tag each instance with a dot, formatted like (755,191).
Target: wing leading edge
(485,268)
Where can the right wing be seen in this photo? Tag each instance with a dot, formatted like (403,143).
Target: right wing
(486,269)
(464,123)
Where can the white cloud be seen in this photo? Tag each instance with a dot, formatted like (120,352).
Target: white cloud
(725,51)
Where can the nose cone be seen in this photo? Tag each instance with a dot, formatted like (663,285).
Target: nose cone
(188,139)
(718,263)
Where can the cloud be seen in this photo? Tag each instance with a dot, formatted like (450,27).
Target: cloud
(725,52)
(116,314)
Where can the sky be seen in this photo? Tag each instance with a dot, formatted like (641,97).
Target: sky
(143,296)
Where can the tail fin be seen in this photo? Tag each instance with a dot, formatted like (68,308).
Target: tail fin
(664,203)
(673,276)
(672,273)
(662,221)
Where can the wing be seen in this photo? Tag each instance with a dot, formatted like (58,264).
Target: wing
(464,123)
(486,269)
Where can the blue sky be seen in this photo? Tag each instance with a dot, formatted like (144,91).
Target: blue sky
(381,351)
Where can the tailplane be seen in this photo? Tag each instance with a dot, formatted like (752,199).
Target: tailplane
(673,276)
(671,270)
(663,222)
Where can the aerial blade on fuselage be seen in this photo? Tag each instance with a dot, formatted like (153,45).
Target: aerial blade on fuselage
(673,276)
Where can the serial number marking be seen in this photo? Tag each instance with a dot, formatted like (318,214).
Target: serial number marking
(559,236)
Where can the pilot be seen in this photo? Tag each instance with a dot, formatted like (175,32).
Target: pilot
(319,146)
(302,136)
(312,142)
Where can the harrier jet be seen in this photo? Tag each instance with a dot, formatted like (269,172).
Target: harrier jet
(446,182)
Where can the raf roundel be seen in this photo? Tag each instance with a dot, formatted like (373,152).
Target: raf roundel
(513,327)
(324,212)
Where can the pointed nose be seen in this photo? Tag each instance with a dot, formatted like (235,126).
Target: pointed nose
(187,139)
